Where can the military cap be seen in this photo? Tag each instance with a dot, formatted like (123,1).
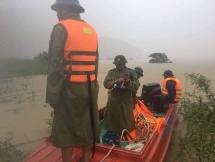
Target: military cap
(168,73)
(139,70)
(120,59)
(73,4)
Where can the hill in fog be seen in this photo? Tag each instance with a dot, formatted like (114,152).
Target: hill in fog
(110,47)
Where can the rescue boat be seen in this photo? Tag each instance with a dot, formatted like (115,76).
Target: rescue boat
(148,142)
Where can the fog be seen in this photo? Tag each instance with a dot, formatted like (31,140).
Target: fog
(181,29)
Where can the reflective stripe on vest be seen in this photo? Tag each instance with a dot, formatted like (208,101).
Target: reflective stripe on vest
(80,51)
(178,88)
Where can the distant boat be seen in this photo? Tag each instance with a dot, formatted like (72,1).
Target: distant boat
(153,150)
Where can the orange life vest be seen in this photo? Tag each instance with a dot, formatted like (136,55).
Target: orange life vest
(80,51)
(178,88)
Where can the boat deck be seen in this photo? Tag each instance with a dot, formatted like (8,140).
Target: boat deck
(153,150)
(46,152)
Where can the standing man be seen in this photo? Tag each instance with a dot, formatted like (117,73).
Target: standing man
(72,87)
(171,91)
(119,108)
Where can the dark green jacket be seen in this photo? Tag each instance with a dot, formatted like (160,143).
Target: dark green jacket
(119,108)
(72,124)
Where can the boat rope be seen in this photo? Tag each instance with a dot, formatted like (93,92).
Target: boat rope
(144,126)
(111,149)
(121,137)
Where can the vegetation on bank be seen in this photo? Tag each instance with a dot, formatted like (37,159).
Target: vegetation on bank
(197,143)
(8,152)
(24,67)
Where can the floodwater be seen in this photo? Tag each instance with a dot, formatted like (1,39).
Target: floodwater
(23,110)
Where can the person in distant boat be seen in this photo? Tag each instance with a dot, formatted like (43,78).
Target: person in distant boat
(171,90)
(72,87)
(119,108)
(139,72)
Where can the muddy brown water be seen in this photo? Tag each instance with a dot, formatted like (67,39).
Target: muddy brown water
(23,110)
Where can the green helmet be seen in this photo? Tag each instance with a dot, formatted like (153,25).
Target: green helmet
(73,4)
(168,73)
(139,70)
(120,59)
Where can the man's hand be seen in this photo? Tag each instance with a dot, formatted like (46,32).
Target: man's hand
(126,81)
(121,80)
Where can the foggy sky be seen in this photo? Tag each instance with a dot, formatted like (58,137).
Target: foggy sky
(182,29)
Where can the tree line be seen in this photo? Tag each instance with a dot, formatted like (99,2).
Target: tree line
(24,67)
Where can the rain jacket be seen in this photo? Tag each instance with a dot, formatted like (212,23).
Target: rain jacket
(119,108)
(71,124)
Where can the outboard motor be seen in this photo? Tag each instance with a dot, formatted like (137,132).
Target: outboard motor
(149,91)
